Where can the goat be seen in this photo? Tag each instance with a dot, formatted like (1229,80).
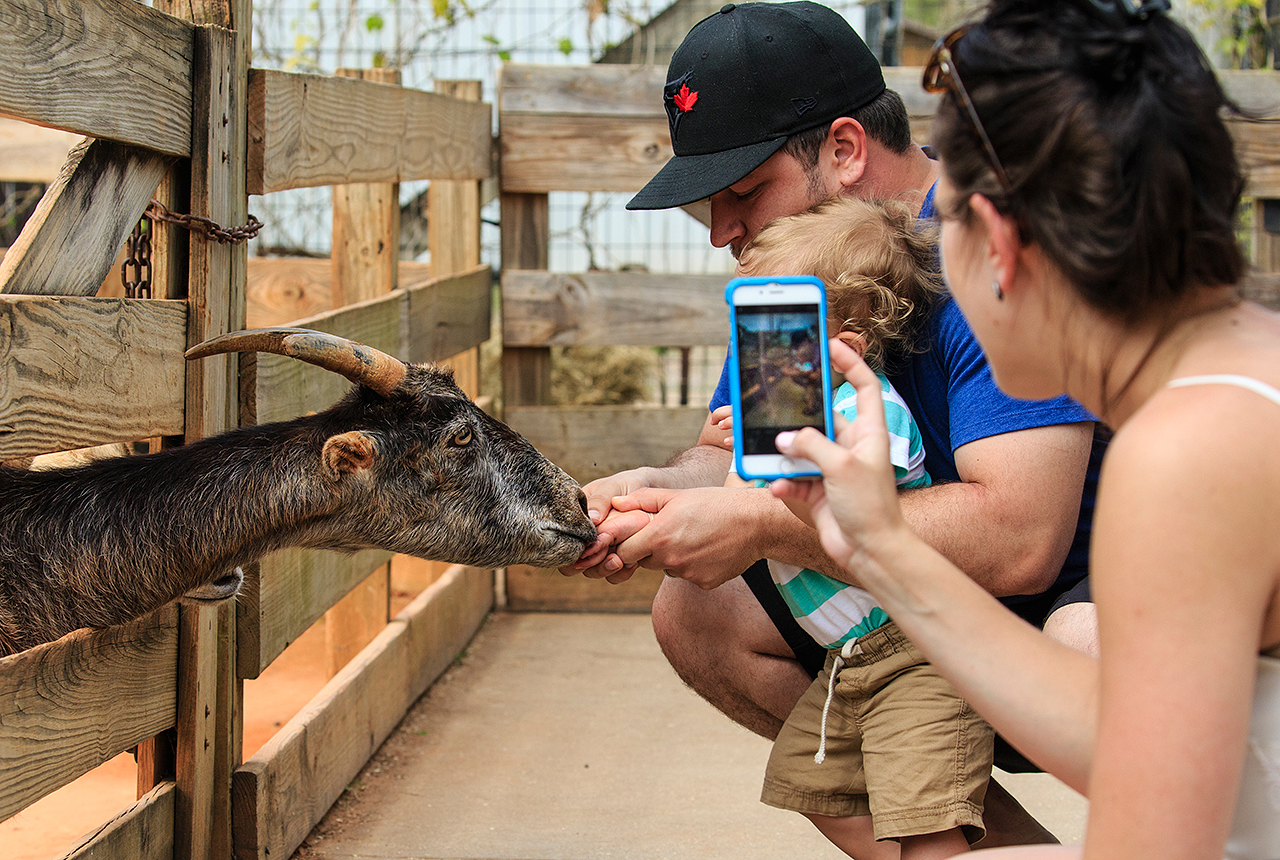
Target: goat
(404,461)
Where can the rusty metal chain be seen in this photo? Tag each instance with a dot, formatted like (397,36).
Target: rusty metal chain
(204,226)
(137,261)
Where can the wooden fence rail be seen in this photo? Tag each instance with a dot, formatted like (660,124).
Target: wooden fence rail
(603,129)
(171,109)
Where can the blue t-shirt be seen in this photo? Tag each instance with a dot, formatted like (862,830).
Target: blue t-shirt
(949,389)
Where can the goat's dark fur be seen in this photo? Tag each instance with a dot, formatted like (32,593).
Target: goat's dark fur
(421,471)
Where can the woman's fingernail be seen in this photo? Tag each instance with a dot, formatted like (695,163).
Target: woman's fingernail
(785,439)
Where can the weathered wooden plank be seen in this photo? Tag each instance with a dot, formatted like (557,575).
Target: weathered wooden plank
(606,308)
(366,226)
(284,289)
(288,388)
(197,723)
(602,127)
(614,89)
(287,786)
(1257,90)
(208,713)
(216,279)
(102,68)
(623,90)
(144,831)
(442,316)
(1258,148)
(70,243)
(905,81)
(536,589)
(453,208)
(636,90)
(550,152)
(591,442)
(294,589)
(80,372)
(30,153)
(542,153)
(68,706)
(355,620)
(304,133)
(526,241)
(450,314)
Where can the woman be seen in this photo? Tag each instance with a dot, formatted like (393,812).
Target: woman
(1088,199)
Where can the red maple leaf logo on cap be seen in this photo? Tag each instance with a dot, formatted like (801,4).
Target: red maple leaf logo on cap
(684,99)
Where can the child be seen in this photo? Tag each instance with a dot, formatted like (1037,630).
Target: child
(879,732)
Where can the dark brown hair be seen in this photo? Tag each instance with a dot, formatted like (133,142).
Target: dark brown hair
(1121,167)
(884,119)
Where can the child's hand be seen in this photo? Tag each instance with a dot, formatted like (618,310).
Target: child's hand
(723,419)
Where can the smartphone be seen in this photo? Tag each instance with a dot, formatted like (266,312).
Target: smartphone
(780,375)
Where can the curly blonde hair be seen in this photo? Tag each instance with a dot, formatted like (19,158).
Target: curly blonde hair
(878,260)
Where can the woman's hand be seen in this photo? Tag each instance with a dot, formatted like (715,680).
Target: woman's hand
(855,504)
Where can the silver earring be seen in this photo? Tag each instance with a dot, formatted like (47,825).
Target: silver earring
(995,288)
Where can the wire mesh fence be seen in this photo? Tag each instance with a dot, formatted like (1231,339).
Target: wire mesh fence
(429,40)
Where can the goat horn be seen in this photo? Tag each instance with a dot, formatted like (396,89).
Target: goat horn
(357,362)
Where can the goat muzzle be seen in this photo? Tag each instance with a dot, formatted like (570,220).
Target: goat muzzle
(355,361)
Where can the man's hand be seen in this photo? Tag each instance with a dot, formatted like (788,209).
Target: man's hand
(599,561)
(705,464)
(600,493)
(695,534)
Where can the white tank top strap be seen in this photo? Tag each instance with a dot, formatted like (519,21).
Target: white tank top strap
(1238,380)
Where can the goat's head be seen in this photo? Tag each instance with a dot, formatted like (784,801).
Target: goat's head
(420,469)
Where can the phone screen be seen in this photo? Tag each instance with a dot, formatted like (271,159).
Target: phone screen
(780,372)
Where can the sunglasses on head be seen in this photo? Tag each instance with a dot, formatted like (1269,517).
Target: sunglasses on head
(941,75)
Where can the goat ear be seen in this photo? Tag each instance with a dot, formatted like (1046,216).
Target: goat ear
(348,453)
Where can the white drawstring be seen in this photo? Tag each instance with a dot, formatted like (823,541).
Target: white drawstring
(850,648)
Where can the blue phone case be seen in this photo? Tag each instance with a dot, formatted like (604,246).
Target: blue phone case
(735,376)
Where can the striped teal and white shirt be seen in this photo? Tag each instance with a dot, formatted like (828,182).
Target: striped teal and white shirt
(831,611)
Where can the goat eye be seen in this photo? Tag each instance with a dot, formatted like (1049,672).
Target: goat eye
(461,438)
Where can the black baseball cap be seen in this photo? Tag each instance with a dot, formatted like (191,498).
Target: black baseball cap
(743,81)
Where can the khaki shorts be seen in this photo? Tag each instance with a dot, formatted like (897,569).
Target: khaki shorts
(902,746)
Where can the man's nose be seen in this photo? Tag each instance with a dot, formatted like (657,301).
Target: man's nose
(726,225)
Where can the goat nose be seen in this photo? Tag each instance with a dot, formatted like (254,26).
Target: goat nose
(582,502)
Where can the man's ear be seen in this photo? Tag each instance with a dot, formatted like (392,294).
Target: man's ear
(846,151)
(348,453)
(1004,242)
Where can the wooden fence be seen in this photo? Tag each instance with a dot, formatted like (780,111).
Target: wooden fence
(168,101)
(172,110)
(603,128)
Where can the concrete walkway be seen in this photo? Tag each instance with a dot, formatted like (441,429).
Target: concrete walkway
(566,737)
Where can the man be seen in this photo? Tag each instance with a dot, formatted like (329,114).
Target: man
(773,108)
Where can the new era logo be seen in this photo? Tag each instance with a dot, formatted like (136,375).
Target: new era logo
(802,106)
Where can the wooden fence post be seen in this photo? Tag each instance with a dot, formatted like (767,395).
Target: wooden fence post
(453,238)
(209,724)
(526,240)
(366,226)
(1264,284)
(365,265)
